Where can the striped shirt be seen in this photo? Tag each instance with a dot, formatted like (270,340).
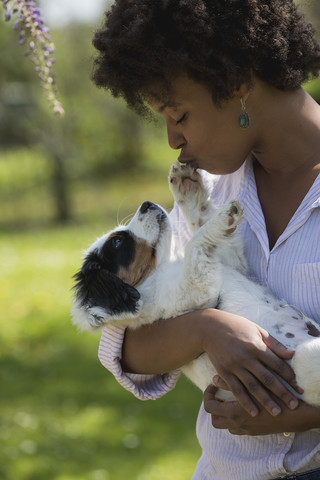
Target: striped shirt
(292,271)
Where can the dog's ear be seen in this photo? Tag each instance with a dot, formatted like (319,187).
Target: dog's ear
(101,296)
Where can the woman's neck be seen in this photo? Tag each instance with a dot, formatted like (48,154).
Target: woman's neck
(286,152)
(288,142)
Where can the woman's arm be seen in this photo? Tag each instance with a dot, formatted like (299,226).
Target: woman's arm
(242,353)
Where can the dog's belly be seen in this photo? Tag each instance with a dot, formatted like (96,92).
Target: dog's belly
(284,322)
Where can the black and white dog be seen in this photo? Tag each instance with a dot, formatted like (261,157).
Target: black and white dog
(129,278)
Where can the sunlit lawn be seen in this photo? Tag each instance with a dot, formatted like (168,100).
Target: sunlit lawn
(62,415)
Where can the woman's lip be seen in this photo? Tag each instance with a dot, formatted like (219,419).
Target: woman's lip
(188,160)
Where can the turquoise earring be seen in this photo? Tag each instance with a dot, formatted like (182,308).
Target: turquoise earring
(244,119)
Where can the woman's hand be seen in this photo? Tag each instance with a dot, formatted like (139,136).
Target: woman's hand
(231,416)
(247,359)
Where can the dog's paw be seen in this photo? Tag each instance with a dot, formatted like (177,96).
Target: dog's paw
(183,180)
(231,214)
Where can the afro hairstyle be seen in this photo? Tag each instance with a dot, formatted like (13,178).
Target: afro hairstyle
(145,44)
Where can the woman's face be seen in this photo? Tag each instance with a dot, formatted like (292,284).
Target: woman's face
(208,137)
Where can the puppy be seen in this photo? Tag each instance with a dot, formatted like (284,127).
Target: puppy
(130,278)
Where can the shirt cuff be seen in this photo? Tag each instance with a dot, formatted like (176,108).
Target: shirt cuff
(144,387)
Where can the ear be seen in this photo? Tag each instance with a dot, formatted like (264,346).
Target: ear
(101,296)
(245,90)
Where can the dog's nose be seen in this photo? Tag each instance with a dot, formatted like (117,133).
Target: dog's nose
(147,206)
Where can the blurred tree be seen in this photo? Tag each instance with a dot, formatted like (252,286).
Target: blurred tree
(312,8)
(24,121)
(108,136)
(16,95)
(97,138)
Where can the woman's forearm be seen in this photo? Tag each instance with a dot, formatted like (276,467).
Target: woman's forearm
(165,345)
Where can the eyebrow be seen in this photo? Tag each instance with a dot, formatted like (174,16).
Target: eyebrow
(168,104)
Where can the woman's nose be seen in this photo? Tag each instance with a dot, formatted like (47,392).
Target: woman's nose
(175,138)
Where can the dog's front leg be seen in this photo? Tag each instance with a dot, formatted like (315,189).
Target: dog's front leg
(191,195)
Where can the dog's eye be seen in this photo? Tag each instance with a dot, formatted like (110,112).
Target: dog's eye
(117,241)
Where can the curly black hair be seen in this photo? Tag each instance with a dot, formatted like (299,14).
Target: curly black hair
(220,43)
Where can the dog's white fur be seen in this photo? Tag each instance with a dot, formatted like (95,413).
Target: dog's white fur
(212,272)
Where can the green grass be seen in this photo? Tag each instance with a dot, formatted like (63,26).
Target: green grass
(62,415)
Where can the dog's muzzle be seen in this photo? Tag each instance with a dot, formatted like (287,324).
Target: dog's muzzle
(148,206)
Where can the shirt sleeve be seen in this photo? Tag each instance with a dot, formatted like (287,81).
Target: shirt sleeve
(144,387)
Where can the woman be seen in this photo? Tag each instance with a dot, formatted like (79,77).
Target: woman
(226,77)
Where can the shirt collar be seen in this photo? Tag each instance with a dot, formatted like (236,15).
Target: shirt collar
(254,215)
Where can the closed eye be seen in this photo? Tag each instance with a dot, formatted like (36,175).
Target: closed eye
(182,119)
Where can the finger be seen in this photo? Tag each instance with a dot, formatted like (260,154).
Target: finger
(209,400)
(217,408)
(260,394)
(221,423)
(210,393)
(249,388)
(277,347)
(259,382)
(220,383)
(273,384)
(241,393)
(214,405)
(280,367)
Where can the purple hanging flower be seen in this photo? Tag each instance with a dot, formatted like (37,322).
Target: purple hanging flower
(34,33)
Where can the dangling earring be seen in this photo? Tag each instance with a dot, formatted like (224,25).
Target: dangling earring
(244,119)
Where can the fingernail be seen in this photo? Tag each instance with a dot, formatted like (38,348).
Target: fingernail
(254,413)
(275,411)
(293,404)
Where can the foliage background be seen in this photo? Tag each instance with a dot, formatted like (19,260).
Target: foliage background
(63,183)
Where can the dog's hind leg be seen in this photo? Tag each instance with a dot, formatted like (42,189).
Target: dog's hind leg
(216,230)
(202,268)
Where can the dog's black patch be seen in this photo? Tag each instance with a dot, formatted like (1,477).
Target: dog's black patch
(289,335)
(312,330)
(278,328)
(97,284)
(118,251)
